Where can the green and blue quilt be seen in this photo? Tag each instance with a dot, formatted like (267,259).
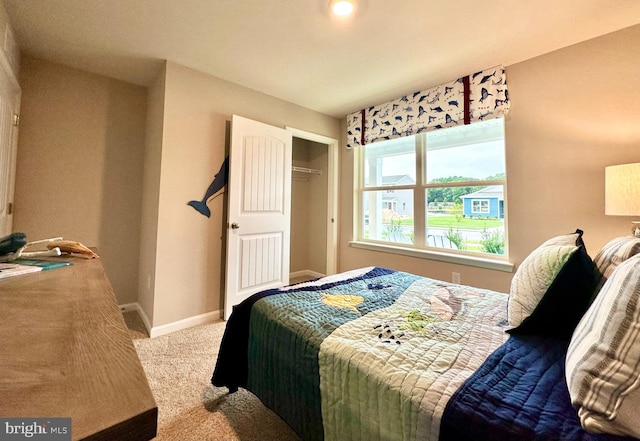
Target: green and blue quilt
(370,354)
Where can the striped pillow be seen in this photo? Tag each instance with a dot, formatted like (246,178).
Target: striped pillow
(603,358)
(613,254)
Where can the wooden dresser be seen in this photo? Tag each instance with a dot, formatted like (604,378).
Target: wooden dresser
(65,352)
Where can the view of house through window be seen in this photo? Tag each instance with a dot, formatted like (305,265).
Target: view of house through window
(443,189)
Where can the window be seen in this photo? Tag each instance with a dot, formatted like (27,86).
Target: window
(480,206)
(442,190)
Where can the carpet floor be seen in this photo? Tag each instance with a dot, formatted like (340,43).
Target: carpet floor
(179,368)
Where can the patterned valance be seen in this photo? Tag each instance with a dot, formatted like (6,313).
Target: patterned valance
(476,97)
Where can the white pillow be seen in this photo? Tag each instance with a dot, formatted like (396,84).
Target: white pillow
(533,278)
(552,288)
(603,358)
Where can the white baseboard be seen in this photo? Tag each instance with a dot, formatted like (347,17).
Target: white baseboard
(201,319)
(306,273)
(136,307)
(156,331)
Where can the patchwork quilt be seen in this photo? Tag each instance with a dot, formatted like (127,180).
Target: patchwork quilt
(370,354)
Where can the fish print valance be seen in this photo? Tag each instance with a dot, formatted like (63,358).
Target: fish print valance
(472,98)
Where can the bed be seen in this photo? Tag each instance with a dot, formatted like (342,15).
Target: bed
(380,354)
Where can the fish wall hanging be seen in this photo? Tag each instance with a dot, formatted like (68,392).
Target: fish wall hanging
(219,181)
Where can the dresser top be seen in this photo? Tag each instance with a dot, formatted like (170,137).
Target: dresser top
(65,352)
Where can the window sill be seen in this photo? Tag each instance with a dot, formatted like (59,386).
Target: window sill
(493,264)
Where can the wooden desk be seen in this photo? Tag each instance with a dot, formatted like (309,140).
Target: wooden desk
(65,352)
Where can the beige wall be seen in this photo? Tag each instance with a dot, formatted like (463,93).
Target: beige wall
(79,166)
(150,195)
(574,111)
(189,264)
(87,172)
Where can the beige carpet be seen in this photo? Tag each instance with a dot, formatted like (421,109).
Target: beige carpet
(179,368)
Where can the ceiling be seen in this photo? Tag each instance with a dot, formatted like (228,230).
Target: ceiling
(294,49)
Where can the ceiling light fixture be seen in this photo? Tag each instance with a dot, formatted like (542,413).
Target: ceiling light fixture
(342,7)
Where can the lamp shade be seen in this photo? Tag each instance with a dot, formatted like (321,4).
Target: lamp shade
(622,190)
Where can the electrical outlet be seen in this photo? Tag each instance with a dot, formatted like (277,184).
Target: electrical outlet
(455,277)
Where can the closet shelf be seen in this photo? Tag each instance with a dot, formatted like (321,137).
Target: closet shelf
(306,170)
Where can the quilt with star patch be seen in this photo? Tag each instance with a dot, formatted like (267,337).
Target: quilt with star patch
(369,354)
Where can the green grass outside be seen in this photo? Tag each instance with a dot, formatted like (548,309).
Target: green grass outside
(463,223)
(473,245)
(455,223)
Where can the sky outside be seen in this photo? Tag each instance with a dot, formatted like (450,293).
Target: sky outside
(473,161)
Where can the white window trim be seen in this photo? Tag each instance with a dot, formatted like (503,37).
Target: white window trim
(450,257)
(486,261)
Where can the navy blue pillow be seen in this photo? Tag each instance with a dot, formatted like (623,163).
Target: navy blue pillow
(565,301)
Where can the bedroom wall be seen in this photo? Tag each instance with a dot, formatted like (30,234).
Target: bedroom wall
(574,111)
(113,165)
(189,250)
(79,164)
(558,144)
(150,195)
(579,112)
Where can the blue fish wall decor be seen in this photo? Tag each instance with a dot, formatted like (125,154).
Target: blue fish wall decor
(219,181)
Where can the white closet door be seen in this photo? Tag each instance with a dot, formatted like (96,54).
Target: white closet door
(259,213)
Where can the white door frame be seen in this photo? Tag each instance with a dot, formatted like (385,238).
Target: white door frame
(332,193)
(11,96)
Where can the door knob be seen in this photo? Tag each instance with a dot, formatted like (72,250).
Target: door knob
(235,225)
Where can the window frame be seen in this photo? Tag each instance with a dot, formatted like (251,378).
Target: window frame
(487,203)
(420,248)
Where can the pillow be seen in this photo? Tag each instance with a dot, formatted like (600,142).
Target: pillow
(552,288)
(604,354)
(613,254)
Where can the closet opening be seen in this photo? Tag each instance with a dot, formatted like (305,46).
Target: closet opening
(313,207)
